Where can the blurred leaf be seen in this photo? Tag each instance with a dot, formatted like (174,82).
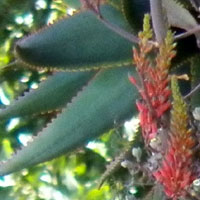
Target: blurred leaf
(5,193)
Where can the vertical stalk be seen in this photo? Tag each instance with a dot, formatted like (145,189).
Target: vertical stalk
(158,20)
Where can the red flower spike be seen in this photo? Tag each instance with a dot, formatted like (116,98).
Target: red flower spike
(176,172)
(153,80)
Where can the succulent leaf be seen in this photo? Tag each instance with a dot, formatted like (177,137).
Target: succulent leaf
(78,42)
(52,94)
(107,99)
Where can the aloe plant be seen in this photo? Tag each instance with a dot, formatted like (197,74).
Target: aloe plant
(90,55)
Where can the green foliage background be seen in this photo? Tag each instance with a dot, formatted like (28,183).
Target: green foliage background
(73,176)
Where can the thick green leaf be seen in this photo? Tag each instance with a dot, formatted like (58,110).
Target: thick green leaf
(107,100)
(52,94)
(80,41)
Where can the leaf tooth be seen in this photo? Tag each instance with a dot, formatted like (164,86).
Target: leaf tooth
(17,99)
(56,111)
(26,91)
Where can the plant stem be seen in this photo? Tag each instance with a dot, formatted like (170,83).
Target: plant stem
(158,20)
(188,33)
(193,91)
(95,7)
(10,64)
(119,31)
